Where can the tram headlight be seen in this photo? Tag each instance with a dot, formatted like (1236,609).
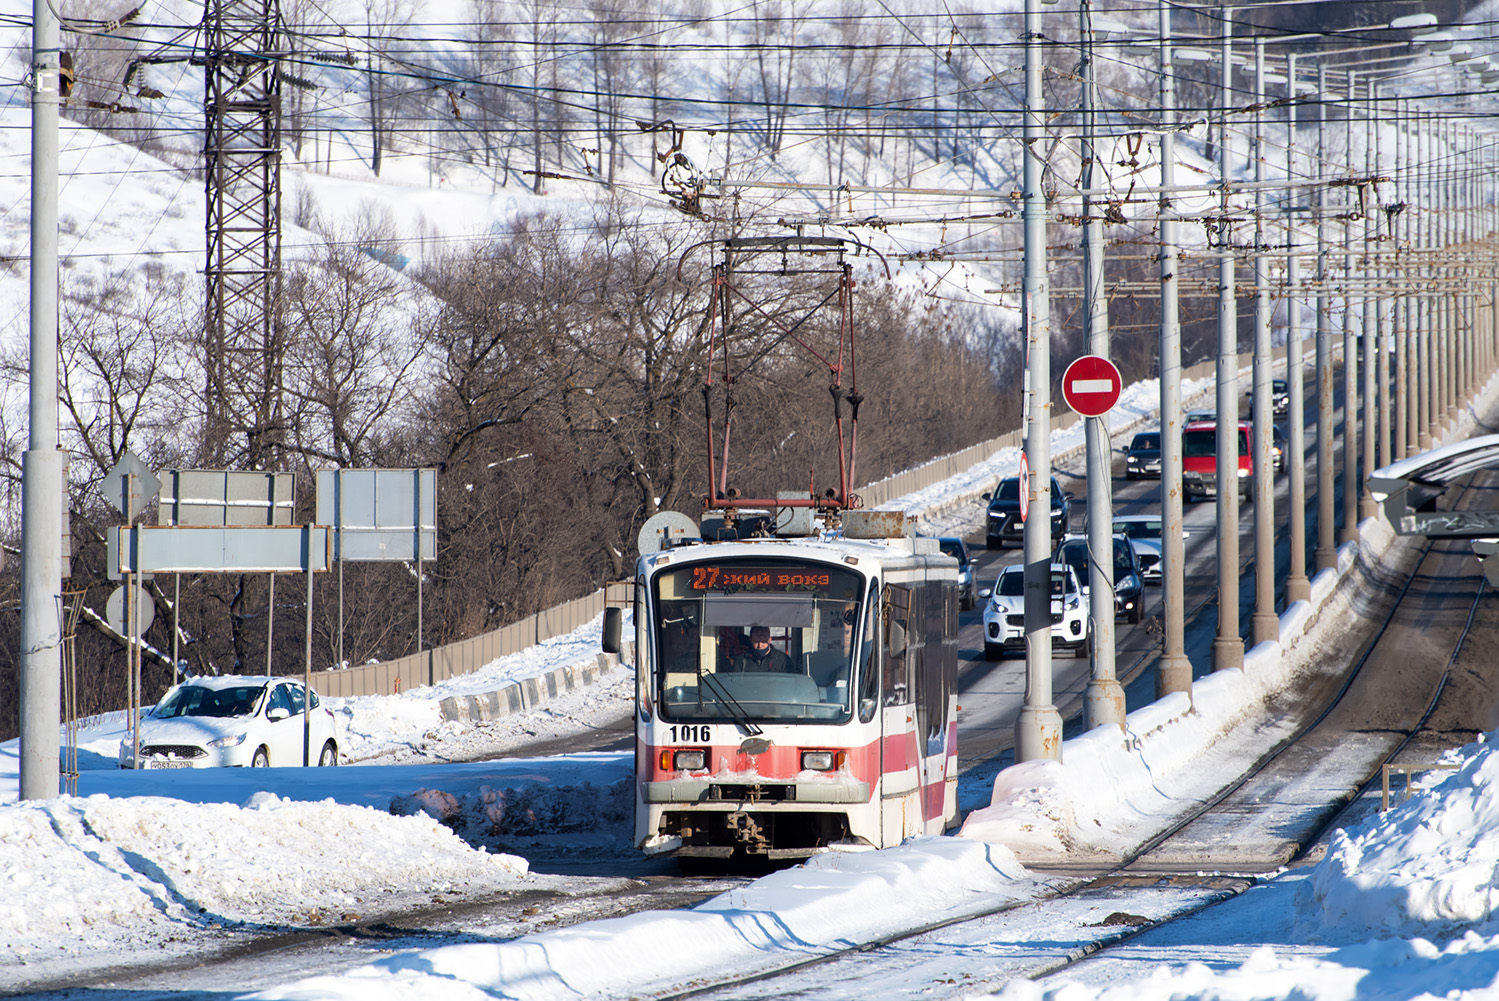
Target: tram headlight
(819,761)
(690,760)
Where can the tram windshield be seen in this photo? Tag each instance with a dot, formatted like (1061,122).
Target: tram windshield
(757,640)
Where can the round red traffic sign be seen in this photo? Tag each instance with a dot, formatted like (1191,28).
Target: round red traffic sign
(1091,386)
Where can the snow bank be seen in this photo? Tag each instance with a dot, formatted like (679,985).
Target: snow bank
(1112,788)
(832,901)
(1426,868)
(160,867)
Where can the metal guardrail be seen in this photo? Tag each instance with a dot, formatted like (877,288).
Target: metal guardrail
(1410,787)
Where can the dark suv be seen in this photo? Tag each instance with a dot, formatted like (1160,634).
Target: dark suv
(1129,582)
(1143,457)
(1004,513)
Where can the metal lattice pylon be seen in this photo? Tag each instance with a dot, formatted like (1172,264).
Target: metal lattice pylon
(242,174)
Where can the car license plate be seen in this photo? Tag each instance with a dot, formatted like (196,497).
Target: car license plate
(162,763)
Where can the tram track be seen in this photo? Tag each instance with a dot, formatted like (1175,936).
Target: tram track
(1182,869)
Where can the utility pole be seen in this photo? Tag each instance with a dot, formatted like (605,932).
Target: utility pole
(42,464)
(1038,729)
(1327,547)
(1173,670)
(1104,699)
(1228,647)
(1298,588)
(1264,624)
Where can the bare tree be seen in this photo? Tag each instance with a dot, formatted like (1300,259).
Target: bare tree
(774,24)
(355,335)
(384,75)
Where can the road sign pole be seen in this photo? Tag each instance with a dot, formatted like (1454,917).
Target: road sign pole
(1091,387)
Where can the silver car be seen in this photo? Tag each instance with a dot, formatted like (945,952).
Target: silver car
(234,721)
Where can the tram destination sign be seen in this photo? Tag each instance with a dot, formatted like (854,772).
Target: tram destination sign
(738,577)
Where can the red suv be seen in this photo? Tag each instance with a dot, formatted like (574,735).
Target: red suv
(1200,459)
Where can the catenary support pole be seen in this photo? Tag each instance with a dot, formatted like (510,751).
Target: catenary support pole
(1173,670)
(1038,728)
(1424,302)
(1103,701)
(1264,624)
(1370,328)
(1351,428)
(1298,587)
(1327,547)
(1228,646)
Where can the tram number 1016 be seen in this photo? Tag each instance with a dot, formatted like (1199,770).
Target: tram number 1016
(691,734)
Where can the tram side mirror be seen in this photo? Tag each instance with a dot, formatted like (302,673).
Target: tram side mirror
(613,619)
(897,639)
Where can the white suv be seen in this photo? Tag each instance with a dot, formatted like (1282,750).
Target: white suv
(1004,613)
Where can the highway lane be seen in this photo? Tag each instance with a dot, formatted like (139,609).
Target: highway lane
(991,693)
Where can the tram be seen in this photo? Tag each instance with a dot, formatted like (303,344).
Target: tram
(796,657)
(795,694)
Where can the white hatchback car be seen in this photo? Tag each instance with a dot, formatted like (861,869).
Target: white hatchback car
(233,721)
(1004,613)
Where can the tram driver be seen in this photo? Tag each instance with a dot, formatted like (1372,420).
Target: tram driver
(760,655)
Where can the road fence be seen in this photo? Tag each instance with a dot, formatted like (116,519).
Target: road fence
(467,656)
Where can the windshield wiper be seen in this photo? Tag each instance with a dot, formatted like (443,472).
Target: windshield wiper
(741,716)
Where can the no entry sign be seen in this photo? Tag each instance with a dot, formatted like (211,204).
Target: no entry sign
(1091,386)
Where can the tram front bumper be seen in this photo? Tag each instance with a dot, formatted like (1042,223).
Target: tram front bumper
(730,794)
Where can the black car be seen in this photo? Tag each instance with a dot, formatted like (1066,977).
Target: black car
(1279,448)
(1280,397)
(958,550)
(1004,513)
(1143,457)
(1129,580)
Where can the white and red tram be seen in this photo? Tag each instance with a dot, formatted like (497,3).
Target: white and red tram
(848,740)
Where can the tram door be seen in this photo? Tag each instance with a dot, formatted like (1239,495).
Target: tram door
(901,763)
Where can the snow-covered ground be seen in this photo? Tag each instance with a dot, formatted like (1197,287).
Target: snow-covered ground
(1399,907)
(155,863)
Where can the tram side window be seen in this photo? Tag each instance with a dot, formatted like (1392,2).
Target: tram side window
(902,638)
(941,659)
(869,678)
